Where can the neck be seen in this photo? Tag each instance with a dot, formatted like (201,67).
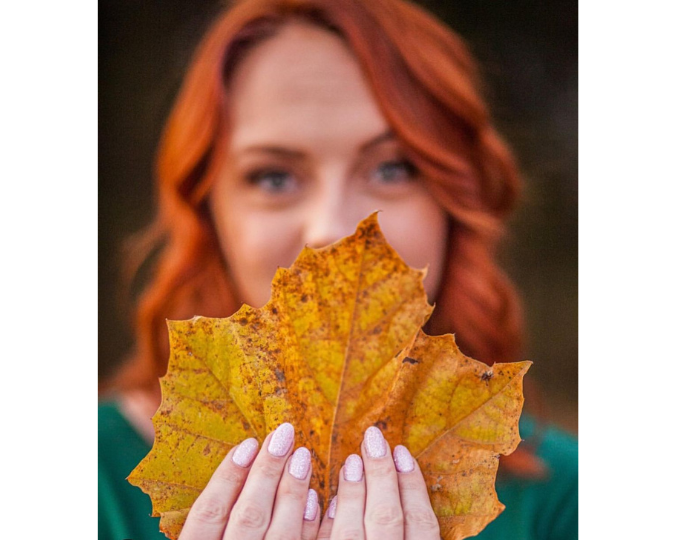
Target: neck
(138,407)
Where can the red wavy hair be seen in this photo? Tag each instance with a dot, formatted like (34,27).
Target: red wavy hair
(427,85)
(428,88)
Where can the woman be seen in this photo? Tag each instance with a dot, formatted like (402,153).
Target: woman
(297,119)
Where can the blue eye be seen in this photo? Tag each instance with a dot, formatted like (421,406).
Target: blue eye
(273,181)
(391,172)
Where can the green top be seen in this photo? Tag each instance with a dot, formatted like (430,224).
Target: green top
(535,510)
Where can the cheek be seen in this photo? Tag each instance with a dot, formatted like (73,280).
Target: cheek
(419,234)
(254,245)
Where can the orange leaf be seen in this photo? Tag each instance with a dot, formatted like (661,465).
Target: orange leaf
(338,348)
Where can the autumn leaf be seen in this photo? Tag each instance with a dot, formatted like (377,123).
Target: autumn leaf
(338,348)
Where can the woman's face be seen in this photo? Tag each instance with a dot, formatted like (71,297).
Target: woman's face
(311,155)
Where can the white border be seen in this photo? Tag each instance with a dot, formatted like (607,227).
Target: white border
(48,286)
(627,269)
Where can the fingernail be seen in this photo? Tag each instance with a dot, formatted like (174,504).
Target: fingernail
(311,505)
(403,460)
(376,446)
(281,440)
(331,512)
(245,453)
(299,465)
(353,471)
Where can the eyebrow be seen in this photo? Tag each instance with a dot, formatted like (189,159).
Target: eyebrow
(297,154)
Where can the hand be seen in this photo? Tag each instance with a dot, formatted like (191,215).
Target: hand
(256,499)
(380,497)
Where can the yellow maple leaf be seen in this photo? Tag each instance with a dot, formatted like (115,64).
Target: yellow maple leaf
(338,348)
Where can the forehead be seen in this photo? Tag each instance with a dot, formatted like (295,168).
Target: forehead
(303,83)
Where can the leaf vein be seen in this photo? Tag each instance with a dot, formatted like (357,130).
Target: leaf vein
(462,419)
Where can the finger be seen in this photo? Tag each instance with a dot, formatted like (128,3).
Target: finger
(209,513)
(311,516)
(419,519)
(349,517)
(287,514)
(251,514)
(384,517)
(327,523)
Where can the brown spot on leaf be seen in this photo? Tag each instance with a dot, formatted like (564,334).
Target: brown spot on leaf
(280,375)
(487,376)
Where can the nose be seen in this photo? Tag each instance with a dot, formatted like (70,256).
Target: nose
(330,217)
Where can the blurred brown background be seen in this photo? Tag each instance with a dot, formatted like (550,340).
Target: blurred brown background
(528,52)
